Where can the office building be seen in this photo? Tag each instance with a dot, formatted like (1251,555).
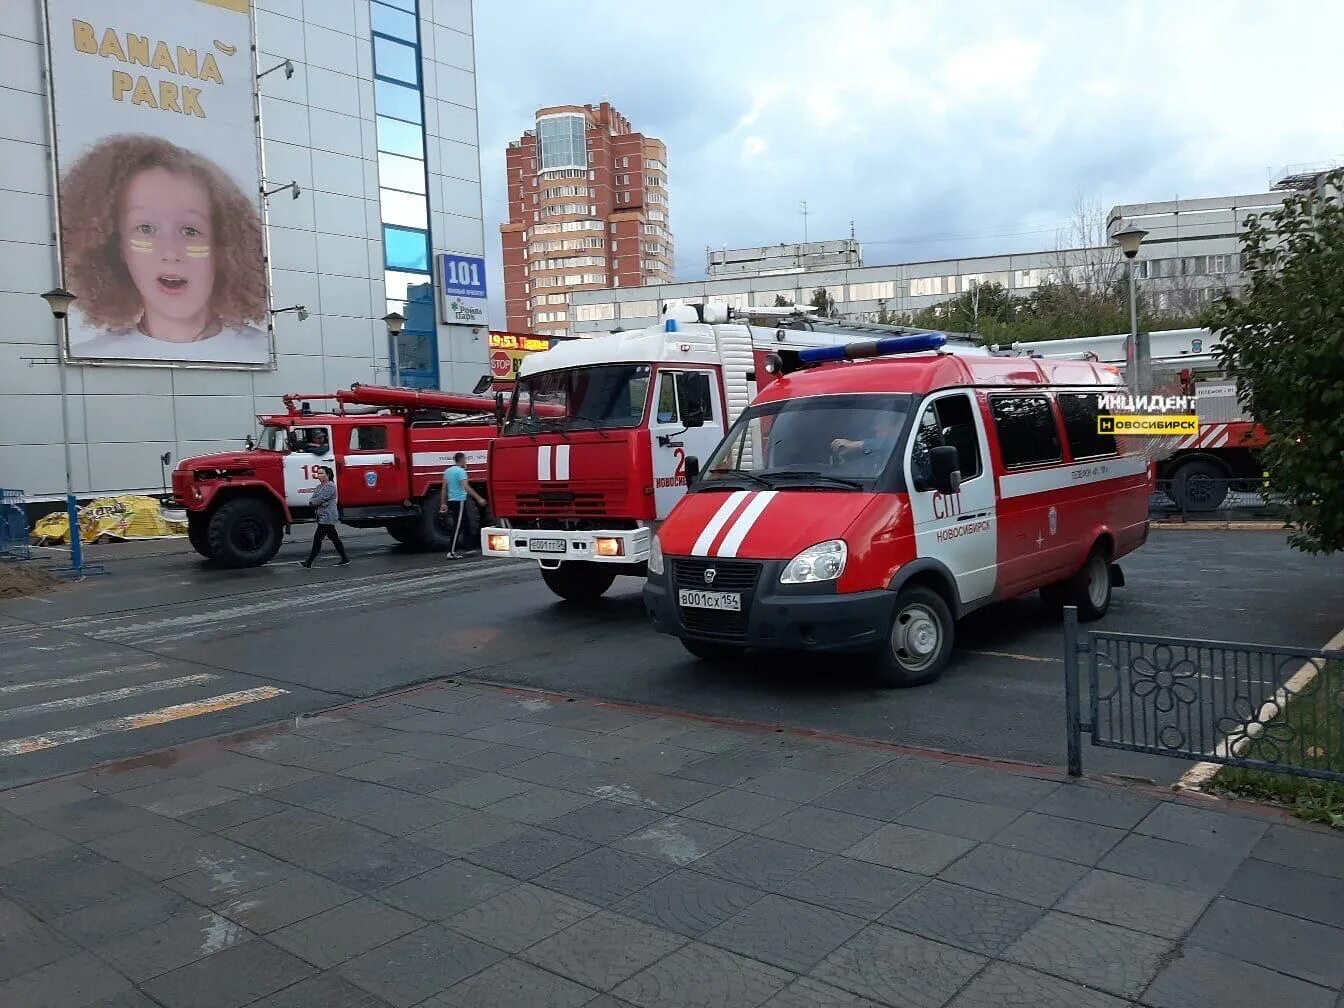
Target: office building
(588,211)
(185,327)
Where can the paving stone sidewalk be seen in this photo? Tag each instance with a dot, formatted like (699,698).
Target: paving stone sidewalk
(461,846)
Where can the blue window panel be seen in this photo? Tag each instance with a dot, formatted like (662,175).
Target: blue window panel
(419,316)
(397,137)
(406,174)
(404,249)
(399,102)
(390,21)
(406,5)
(402,287)
(396,60)
(418,358)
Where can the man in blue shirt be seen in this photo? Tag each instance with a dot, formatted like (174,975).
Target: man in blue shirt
(453,500)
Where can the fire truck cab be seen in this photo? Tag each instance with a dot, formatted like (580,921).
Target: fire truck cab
(597,438)
(866,506)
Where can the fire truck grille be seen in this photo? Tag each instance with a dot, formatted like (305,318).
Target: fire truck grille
(561,503)
(729,575)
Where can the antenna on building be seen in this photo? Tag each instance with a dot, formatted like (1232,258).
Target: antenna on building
(851,230)
(804,213)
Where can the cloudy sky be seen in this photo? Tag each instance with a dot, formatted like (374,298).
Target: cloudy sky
(939,130)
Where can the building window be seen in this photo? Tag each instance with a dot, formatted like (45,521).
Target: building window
(406,174)
(397,101)
(390,21)
(395,60)
(406,249)
(594,312)
(562,142)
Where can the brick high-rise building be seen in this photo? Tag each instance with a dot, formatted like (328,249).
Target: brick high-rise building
(587,210)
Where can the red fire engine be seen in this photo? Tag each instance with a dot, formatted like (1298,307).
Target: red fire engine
(596,439)
(1198,470)
(388,448)
(865,506)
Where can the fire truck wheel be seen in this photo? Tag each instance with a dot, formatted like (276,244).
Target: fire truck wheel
(243,533)
(919,645)
(433,529)
(712,651)
(198,535)
(402,531)
(1199,485)
(577,581)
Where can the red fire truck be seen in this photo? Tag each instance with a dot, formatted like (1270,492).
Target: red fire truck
(388,448)
(596,439)
(1198,470)
(865,506)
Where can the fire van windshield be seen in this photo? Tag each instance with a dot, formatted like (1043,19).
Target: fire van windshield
(822,442)
(592,398)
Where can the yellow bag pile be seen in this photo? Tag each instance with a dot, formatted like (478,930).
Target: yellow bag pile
(112,518)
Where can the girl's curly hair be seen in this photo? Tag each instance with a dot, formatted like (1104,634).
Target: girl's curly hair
(92,194)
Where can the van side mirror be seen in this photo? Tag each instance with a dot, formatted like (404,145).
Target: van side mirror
(693,416)
(946,469)
(691,468)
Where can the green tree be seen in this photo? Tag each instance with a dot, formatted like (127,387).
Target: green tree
(781,301)
(822,301)
(1283,340)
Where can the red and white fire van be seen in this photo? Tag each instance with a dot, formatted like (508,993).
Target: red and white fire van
(864,506)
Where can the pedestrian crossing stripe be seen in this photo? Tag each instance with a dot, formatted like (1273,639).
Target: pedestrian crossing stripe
(131,722)
(107,696)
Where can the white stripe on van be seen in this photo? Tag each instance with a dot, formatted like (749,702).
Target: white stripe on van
(711,530)
(744,524)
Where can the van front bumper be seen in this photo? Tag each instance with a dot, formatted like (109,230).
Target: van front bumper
(774,616)
(552,546)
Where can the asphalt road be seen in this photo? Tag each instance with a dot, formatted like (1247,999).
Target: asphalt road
(165,649)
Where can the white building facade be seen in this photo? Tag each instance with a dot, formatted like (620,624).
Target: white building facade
(369,150)
(1192,252)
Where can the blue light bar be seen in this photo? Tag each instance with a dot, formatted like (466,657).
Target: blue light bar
(916,343)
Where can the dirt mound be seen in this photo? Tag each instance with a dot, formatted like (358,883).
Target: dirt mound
(20,579)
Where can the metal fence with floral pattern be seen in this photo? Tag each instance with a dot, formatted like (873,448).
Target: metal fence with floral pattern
(1265,708)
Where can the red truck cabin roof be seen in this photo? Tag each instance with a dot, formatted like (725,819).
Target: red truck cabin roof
(921,374)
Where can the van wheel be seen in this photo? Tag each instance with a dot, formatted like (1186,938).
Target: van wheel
(713,651)
(578,581)
(1089,589)
(243,533)
(919,644)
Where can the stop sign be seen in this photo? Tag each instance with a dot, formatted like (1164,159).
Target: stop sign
(501,364)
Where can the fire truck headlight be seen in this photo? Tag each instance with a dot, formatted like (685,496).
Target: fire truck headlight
(608,547)
(655,556)
(498,543)
(822,562)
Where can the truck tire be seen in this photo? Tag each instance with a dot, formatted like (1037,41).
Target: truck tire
(919,643)
(578,581)
(403,530)
(713,651)
(244,532)
(431,529)
(1199,485)
(198,535)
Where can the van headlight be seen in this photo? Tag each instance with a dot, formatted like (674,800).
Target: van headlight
(655,556)
(822,562)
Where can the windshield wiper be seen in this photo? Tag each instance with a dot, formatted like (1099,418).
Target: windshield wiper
(813,474)
(732,474)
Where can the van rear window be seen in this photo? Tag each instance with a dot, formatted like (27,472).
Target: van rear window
(1027,432)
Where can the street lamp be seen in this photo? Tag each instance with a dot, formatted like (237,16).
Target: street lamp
(59,301)
(1137,352)
(394,322)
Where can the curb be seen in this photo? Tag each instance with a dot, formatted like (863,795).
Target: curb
(1204,526)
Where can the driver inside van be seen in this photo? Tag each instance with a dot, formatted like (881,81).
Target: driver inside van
(886,428)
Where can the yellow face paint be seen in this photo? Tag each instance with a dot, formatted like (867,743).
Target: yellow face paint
(141,245)
(197,251)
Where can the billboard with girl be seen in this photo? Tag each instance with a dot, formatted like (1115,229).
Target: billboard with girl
(159,184)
